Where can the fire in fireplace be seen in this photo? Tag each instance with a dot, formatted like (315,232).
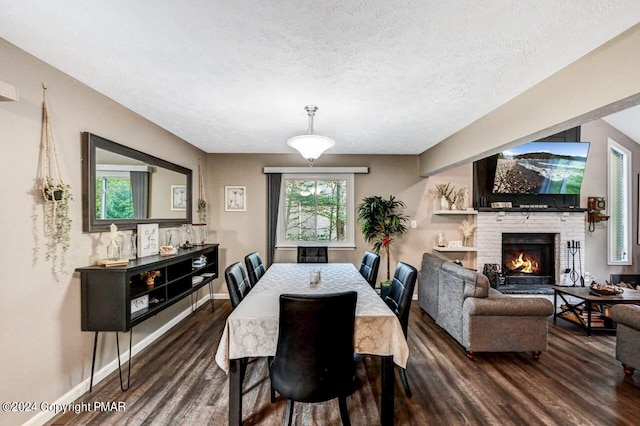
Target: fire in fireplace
(528,258)
(524,264)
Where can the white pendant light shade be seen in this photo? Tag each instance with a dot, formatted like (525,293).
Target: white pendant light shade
(311,146)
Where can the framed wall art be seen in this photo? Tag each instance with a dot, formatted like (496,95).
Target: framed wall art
(148,241)
(235,198)
(178,197)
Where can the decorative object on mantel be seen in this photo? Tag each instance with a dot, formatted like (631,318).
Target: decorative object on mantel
(111,263)
(463,198)
(56,195)
(202,202)
(147,239)
(380,222)
(440,242)
(186,235)
(150,278)
(447,194)
(168,250)
(467,229)
(311,146)
(113,249)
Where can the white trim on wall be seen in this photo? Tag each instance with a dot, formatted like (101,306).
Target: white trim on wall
(320,170)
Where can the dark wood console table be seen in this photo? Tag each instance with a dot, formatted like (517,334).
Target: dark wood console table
(572,311)
(118,298)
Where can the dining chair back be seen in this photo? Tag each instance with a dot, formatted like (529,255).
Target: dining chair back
(314,353)
(255,267)
(313,254)
(369,267)
(399,301)
(237,283)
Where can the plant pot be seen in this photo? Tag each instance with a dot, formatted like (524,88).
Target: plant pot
(385,286)
(57,195)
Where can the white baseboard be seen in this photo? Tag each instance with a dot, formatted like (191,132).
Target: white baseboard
(44,416)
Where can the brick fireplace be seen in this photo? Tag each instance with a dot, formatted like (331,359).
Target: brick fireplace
(555,228)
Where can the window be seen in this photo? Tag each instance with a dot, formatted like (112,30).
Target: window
(316,209)
(619,197)
(114,199)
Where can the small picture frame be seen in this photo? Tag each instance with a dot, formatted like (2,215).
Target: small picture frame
(235,198)
(148,241)
(455,244)
(178,197)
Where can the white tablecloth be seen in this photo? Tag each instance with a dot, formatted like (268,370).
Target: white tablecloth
(252,328)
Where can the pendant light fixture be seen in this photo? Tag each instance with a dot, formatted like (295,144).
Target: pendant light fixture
(311,146)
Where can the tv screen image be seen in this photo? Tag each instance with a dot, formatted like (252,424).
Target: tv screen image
(541,168)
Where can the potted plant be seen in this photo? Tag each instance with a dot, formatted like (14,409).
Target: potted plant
(56,196)
(380,222)
(202,202)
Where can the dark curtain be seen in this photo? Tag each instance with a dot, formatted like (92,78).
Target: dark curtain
(274,180)
(140,194)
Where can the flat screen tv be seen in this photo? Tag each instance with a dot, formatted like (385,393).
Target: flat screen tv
(541,168)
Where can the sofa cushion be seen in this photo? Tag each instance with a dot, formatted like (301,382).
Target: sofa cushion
(428,284)
(450,302)
(475,284)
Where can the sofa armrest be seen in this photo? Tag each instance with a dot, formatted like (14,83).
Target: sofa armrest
(628,315)
(508,306)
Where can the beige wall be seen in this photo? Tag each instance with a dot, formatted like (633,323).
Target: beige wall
(240,233)
(43,353)
(595,184)
(579,93)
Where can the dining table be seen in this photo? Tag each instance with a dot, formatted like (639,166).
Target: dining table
(251,330)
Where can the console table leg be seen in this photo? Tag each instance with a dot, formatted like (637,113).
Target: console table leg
(211,295)
(555,305)
(93,360)
(129,366)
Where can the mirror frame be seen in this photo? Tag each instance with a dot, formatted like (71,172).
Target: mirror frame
(89,222)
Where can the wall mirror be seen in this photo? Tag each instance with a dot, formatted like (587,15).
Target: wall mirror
(124,186)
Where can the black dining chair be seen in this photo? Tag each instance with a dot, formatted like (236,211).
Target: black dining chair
(314,354)
(255,267)
(369,267)
(237,283)
(399,301)
(313,254)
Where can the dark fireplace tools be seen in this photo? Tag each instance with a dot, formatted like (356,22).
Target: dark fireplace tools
(573,249)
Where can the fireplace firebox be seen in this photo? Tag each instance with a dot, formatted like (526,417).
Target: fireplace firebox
(528,259)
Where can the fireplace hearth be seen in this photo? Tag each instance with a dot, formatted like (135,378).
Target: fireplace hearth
(528,259)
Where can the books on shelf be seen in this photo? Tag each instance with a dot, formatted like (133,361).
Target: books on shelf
(110,263)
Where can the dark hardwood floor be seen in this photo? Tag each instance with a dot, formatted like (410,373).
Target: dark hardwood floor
(577,382)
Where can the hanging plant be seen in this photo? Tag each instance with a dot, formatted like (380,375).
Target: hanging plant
(56,196)
(202,202)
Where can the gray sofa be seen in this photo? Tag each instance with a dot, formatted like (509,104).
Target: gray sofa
(628,336)
(480,318)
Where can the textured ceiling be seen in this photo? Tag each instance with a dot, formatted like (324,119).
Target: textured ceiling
(388,76)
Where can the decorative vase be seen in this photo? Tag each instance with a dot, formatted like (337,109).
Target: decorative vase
(113,250)
(444,204)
